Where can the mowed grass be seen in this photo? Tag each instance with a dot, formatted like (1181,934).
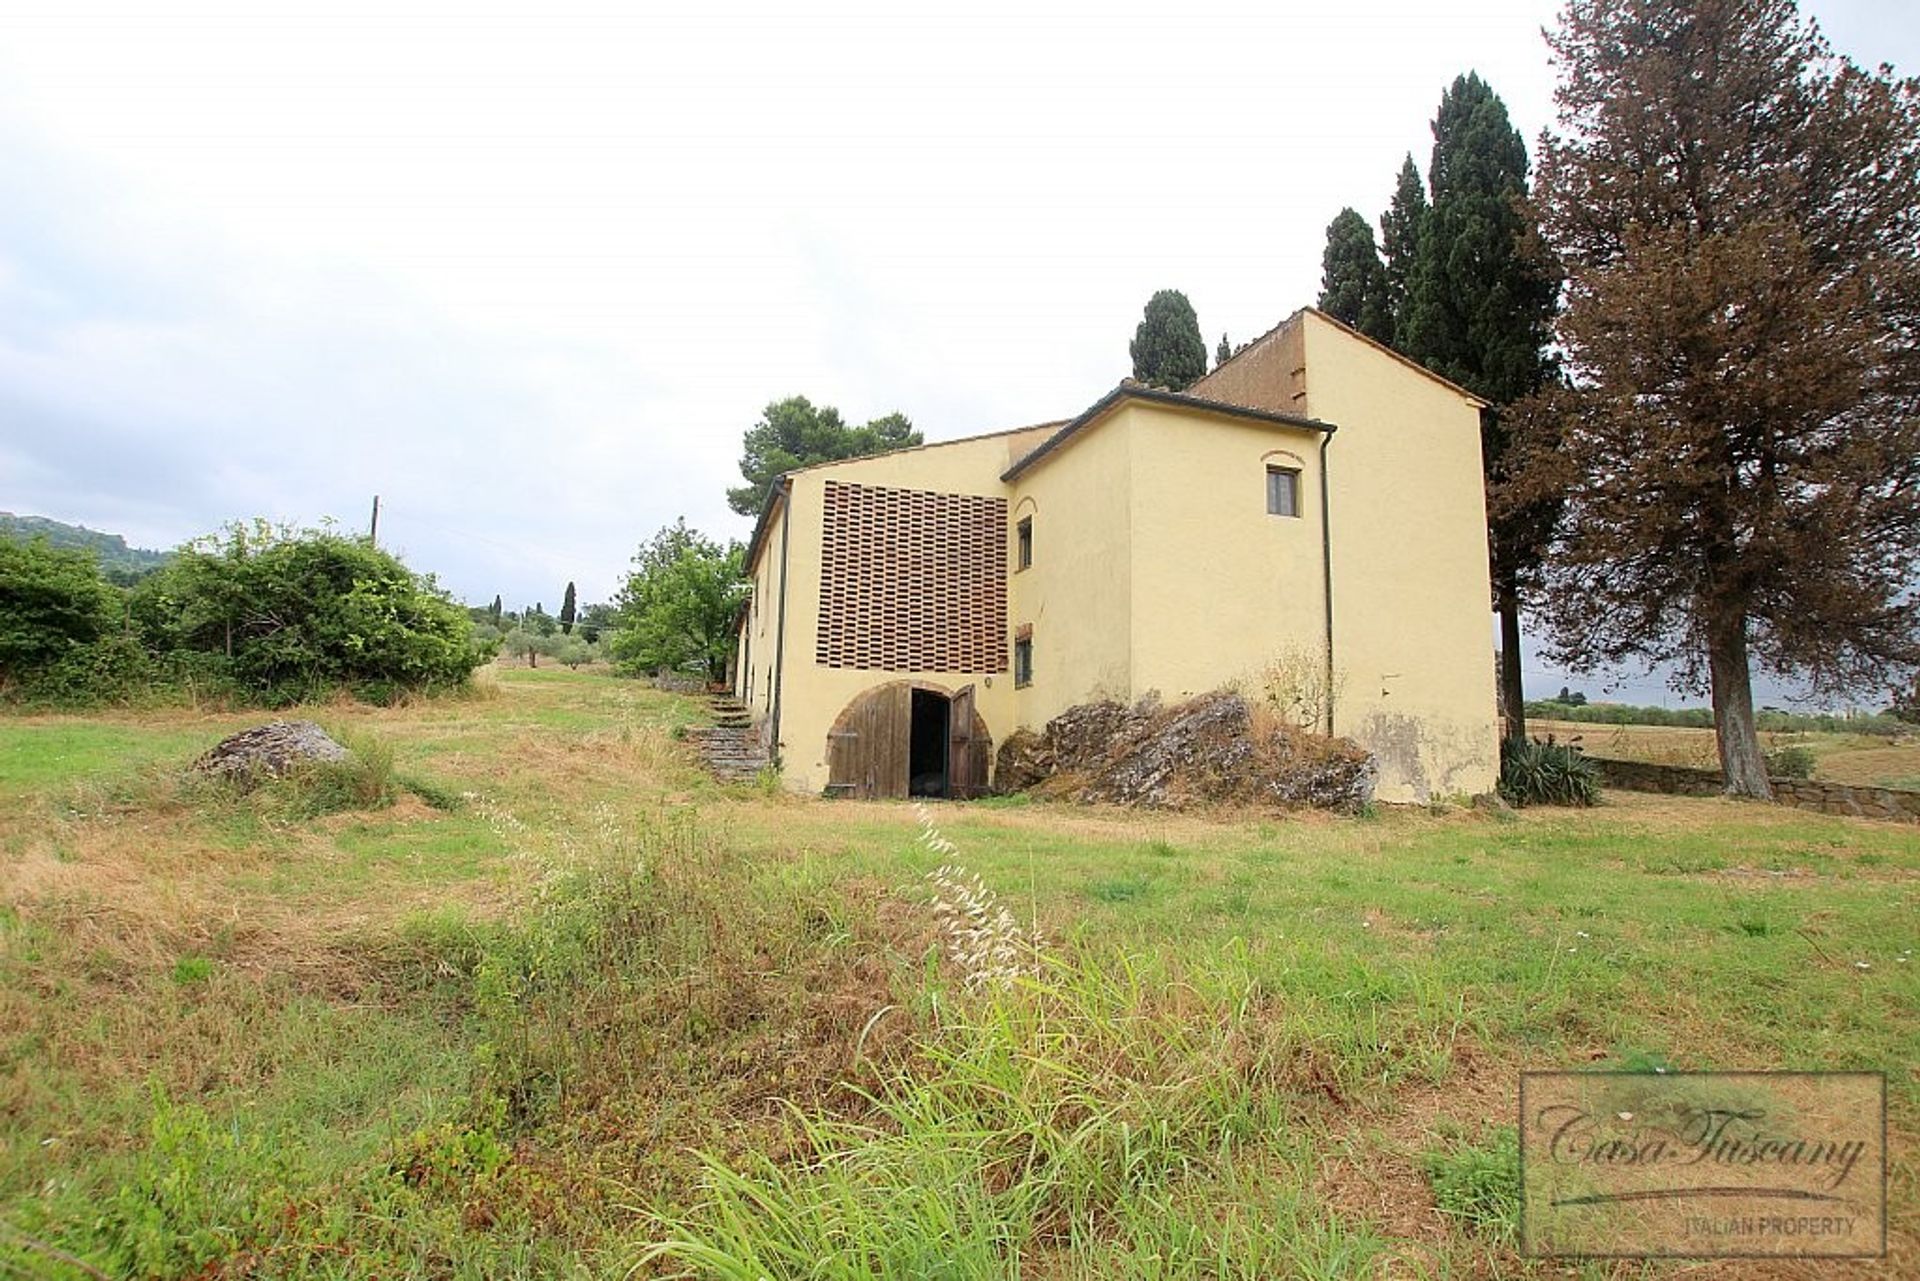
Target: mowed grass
(595,1012)
(1866,760)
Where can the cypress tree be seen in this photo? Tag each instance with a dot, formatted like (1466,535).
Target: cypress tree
(495,609)
(1480,296)
(1167,348)
(566,612)
(1223,353)
(1353,284)
(1400,228)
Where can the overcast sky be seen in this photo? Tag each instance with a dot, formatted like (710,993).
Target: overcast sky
(529,275)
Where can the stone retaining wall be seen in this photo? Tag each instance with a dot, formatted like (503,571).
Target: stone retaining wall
(1801,793)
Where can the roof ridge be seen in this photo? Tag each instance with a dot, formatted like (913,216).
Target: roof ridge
(1129,389)
(1400,356)
(1251,343)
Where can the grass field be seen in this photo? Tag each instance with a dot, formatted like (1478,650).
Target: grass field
(543,1000)
(1864,759)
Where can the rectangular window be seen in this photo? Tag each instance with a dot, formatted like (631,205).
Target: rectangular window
(1023,662)
(1283,491)
(1023,556)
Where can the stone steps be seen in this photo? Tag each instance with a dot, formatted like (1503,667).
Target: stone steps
(729,747)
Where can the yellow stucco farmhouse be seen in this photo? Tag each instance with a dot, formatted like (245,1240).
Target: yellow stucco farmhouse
(1315,495)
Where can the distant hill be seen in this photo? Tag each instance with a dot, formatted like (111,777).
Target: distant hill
(117,560)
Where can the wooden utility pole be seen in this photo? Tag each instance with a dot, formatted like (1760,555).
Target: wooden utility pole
(373,528)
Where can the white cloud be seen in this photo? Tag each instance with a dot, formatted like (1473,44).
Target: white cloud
(529,275)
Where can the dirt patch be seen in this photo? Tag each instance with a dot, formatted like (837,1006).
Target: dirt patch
(1374,1171)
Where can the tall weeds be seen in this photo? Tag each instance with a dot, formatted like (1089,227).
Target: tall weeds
(982,939)
(1054,1112)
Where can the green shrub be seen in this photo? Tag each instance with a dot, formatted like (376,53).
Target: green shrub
(1791,762)
(435,795)
(364,781)
(52,602)
(189,970)
(297,614)
(1770,719)
(1479,1184)
(200,1193)
(1547,773)
(260,616)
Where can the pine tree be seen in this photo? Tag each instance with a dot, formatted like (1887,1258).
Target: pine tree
(566,612)
(1736,210)
(1353,284)
(1481,293)
(1167,348)
(796,433)
(1400,228)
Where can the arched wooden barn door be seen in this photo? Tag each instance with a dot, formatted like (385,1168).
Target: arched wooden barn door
(869,748)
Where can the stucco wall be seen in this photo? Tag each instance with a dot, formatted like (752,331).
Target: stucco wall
(811,696)
(1078,593)
(753,676)
(1221,588)
(1412,644)
(1157,567)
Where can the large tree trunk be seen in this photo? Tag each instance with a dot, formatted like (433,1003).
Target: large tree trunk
(1512,689)
(1740,758)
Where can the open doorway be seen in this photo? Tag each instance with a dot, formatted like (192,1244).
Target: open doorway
(898,740)
(927,755)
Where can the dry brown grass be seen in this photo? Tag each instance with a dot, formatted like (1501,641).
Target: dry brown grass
(1841,758)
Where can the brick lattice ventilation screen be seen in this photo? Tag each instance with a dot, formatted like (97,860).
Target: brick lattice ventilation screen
(912,581)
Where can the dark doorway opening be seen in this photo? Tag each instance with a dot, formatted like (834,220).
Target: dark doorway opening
(927,755)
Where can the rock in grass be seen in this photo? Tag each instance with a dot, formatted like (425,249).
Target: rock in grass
(267,751)
(1214,749)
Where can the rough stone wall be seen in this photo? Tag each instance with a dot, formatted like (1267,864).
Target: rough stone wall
(1800,793)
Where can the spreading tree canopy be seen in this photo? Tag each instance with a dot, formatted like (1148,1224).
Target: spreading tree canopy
(1167,348)
(1353,283)
(795,433)
(1400,228)
(677,608)
(1738,211)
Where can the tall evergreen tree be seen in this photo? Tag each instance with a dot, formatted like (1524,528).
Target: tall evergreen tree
(1353,284)
(1167,348)
(494,609)
(1738,211)
(1481,295)
(1400,228)
(1223,353)
(567,603)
